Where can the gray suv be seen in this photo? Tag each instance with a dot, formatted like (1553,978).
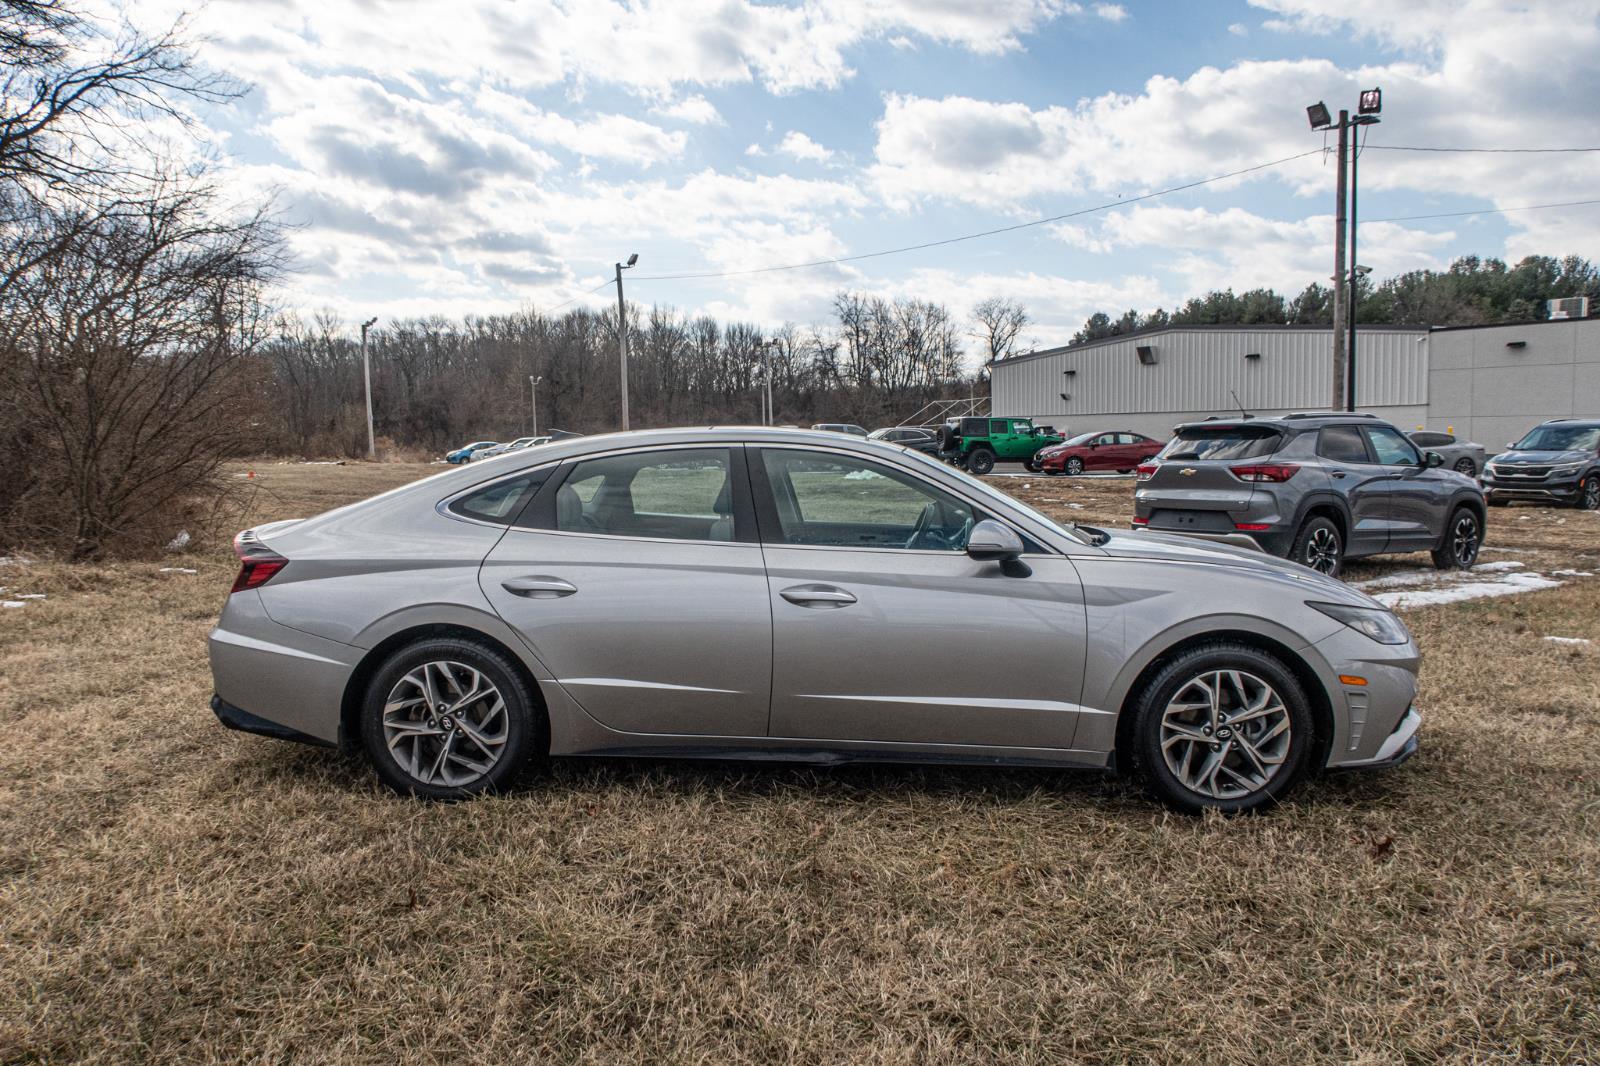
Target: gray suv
(1557,462)
(1315,488)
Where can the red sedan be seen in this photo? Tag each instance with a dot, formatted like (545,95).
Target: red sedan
(1117,450)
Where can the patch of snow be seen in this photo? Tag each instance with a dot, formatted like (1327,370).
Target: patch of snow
(12,603)
(1405,579)
(180,542)
(862,475)
(1507,551)
(32,596)
(1509,585)
(1076,506)
(1572,573)
(1569,640)
(1504,564)
(177,570)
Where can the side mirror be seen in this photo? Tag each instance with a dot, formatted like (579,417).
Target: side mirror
(1432,459)
(993,541)
(1511,446)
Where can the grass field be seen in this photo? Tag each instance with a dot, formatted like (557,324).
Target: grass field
(173,891)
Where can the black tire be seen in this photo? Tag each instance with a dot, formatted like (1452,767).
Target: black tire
(980,461)
(1497,503)
(1031,465)
(1143,743)
(1588,497)
(1317,537)
(1466,466)
(1463,536)
(1074,467)
(526,729)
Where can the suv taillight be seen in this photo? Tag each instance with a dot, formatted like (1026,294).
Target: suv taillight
(1146,471)
(1274,472)
(257,562)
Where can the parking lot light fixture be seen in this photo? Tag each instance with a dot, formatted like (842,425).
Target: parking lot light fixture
(366,373)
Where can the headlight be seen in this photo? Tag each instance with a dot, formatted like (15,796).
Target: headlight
(1568,468)
(1372,622)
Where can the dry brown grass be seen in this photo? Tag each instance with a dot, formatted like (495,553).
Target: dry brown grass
(173,891)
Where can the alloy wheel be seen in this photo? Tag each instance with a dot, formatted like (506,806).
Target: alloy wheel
(1322,551)
(1225,734)
(1074,466)
(1466,466)
(445,723)
(1590,500)
(1464,540)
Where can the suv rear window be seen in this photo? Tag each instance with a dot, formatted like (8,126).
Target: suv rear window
(1222,442)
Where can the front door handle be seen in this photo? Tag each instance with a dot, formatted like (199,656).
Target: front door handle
(1338,473)
(538,587)
(825,596)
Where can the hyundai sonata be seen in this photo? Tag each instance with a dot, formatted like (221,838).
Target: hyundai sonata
(784,594)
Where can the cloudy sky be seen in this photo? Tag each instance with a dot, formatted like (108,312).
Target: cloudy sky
(485,155)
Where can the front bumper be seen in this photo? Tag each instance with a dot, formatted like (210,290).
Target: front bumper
(1553,489)
(1396,748)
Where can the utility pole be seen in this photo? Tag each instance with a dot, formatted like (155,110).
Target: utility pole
(1339,297)
(622,337)
(366,372)
(533,400)
(769,346)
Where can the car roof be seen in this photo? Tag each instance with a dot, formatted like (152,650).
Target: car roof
(1299,420)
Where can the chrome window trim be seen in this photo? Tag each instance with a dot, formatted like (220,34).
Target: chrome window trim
(697,446)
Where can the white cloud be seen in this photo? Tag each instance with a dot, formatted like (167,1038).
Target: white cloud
(1111,12)
(798,146)
(693,109)
(1239,29)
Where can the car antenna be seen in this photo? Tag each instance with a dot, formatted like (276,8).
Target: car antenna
(1242,412)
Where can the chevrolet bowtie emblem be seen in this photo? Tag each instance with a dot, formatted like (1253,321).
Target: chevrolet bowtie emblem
(1188,471)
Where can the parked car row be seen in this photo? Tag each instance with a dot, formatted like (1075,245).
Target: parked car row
(488,449)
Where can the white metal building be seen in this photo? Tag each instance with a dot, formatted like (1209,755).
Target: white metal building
(1486,383)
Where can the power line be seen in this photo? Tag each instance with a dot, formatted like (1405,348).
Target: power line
(1490,151)
(985,233)
(1486,211)
(575,299)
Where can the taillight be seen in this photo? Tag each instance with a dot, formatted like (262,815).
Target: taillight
(1252,527)
(1146,471)
(257,562)
(1141,521)
(1274,472)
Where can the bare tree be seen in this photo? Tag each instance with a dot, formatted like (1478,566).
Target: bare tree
(70,88)
(1000,322)
(130,348)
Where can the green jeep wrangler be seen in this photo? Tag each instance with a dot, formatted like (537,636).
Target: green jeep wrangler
(978,443)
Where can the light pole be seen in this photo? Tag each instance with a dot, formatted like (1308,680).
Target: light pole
(366,372)
(622,336)
(533,400)
(1345,296)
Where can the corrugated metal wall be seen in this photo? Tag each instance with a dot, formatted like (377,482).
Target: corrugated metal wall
(1198,370)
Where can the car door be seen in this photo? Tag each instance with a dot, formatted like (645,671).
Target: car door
(884,629)
(637,580)
(1101,452)
(1418,496)
(1363,483)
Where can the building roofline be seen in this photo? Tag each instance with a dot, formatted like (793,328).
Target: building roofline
(1155,331)
(1514,325)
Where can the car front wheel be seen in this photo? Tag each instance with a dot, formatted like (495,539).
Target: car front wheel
(1222,726)
(1319,546)
(1463,536)
(447,718)
(1074,467)
(1589,494)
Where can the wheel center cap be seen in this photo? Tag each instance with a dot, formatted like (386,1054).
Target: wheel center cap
(447,722)
(1223,733)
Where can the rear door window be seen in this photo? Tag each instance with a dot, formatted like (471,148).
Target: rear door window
(1342,444)
(1225,443)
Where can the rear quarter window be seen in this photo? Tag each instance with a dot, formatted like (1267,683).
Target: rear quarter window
(501,501)
(1223,443)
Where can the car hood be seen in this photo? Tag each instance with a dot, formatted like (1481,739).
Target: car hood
(1242,562)
(1544,458)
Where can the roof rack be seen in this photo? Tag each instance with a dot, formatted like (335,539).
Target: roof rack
(1329,414)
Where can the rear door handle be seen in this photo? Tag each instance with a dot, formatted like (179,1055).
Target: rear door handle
(538,587)
(825,596)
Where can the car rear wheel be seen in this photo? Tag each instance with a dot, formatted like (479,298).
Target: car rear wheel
(1222,726)
(1074,466)
(1588,498)
(1466,466)
(1319,546)
(447,718)
(980,461)
(1463,536)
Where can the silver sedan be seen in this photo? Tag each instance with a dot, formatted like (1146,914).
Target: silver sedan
(784,594)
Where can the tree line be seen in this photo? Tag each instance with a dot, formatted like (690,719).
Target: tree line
(1472,291)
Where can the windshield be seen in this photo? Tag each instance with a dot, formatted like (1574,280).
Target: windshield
(1561,439)
(1083,438)
(979,488)
(1222,442)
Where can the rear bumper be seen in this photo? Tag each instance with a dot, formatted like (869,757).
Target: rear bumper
(1272,542)
(292,681)
(245,722)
